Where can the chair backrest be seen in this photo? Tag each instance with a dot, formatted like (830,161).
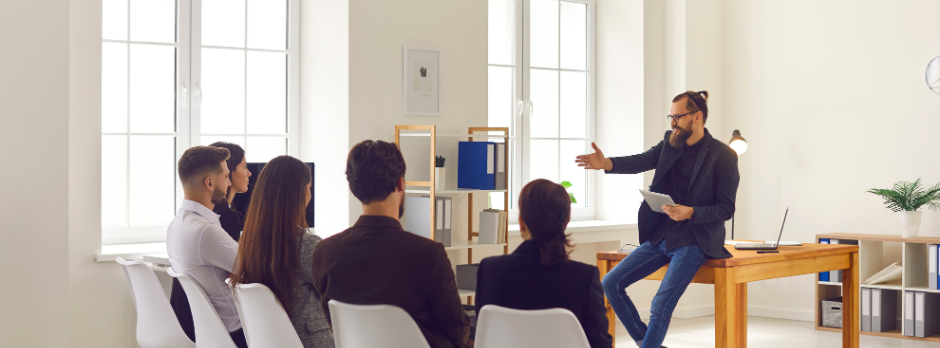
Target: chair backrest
(358,326)
(264,320)
(157,326)
(210,330)
(545,328)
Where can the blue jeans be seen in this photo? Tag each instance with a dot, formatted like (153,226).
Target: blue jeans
(683,263)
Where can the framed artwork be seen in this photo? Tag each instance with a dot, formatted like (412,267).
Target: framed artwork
(421,81)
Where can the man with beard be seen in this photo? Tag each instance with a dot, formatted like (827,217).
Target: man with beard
(377,262)
(195,241)
(701,175)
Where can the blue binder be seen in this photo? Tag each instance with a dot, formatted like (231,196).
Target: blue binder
(824,276)
(475,165)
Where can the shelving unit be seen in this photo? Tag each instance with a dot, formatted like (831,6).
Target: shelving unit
(431,132)
(875,253)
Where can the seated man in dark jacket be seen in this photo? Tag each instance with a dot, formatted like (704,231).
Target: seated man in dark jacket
(538,274)
(378,262)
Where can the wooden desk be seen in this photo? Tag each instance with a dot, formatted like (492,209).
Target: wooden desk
(730,277)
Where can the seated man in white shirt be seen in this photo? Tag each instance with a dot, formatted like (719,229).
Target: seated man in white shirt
(195,241)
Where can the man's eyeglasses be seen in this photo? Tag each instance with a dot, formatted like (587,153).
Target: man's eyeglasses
(676,117)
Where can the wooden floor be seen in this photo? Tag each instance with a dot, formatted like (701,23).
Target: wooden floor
(765,333)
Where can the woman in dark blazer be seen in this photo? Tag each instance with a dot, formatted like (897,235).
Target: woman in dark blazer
(538,274)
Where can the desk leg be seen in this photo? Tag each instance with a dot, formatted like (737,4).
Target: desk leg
(850,303)
(603,266)
(741,314)
(726,309)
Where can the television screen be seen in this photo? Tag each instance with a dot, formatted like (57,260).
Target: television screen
(240,203)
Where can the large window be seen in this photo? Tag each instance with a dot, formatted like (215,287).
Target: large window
(541,79)
(178,73)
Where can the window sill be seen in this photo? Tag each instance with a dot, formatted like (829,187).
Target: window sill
(585,226)
(132,251)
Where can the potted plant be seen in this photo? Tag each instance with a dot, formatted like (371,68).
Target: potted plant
(905,198)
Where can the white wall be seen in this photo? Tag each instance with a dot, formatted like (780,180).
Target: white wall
(34,217)
(831,98)
(324,107)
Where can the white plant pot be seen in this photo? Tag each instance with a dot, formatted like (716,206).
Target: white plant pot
(439,178)
(910,223)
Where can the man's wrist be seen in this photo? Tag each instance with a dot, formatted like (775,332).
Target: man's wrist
(608,164)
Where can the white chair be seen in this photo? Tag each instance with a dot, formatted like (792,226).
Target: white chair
(499,327)
(210,331)
(265,322)
(358,326)
(157,326)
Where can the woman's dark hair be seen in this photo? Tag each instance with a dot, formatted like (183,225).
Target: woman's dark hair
(269,248)
(695,101)
(237,154)
(373,169)
(545,209)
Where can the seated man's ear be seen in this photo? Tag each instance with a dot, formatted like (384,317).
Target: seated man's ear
(400,184)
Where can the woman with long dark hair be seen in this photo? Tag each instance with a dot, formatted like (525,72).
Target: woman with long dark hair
(277,250)
(230,220)
(538,274)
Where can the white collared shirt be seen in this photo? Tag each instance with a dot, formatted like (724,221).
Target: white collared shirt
(198,246)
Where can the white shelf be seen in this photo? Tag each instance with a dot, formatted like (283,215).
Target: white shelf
(467,244)
(465,292)
(403,134)
(451,192)
(830,283)
(920,289)
(883,286)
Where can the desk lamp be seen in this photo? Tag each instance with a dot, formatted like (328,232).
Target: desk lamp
(739,145)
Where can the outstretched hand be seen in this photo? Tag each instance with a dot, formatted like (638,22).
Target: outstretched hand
(594,160)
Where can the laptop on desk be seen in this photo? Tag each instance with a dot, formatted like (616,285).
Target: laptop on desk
(765,246)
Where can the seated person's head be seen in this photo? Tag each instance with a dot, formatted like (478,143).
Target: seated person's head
(238,168)
(204,173)
(544,212)
(376,173)
(268,251)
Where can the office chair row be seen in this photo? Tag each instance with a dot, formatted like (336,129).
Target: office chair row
(266,324)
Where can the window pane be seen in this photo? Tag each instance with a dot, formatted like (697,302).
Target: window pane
(573,35)
(543,159)
(263,149)
(223,91)
(223,23)
(501,31)
(543,33)
(153,20)
(152,179)
(544,91)
(113,180)
(114,19)
(500,98)
(573,104)
(113,87)
(267,92)
(153,89)
(570,171)
(209,139)
(267,24)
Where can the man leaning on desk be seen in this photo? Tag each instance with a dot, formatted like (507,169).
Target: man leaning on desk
(701,175)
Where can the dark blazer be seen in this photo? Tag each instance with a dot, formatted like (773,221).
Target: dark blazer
(377,262)
(712,189)
(232,223)
(520,281)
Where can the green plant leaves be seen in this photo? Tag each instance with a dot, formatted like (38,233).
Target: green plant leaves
(566,184)
(909,196)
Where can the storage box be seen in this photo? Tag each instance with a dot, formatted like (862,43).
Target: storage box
(832,313)
(467,276)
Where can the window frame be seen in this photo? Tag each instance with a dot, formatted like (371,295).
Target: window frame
(523,107)
(188,43)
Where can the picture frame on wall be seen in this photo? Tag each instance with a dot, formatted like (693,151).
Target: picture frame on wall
(421,81)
